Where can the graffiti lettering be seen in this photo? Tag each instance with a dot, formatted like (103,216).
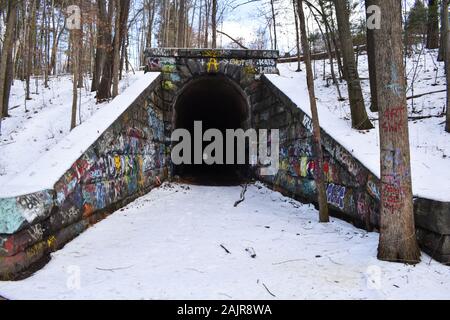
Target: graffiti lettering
(393,119)
(335,195)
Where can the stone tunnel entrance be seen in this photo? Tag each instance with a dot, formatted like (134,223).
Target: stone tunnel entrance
(218,103)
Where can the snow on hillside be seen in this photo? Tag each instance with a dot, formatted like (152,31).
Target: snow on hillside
(30,133)
(430,144)
(171,244)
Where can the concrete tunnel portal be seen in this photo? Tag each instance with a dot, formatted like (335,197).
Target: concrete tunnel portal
(218,103)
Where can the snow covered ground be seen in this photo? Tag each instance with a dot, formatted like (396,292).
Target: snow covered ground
(430,144)
(27,135)
(171,244)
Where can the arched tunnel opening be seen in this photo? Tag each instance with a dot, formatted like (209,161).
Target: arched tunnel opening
(219,104)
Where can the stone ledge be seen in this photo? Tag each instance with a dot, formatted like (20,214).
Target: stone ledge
(433,215)
(208,53)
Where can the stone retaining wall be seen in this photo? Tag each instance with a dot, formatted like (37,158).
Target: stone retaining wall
(128,159)
(353,192)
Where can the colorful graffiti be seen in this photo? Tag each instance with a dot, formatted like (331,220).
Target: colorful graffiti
(18,211)
(373,187)
(336,195)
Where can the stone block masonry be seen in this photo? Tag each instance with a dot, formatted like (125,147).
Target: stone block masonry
(353,192)
(127,160)
(132,155)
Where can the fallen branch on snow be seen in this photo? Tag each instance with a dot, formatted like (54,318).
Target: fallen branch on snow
(226,250)
(424,94)
(268,290)
(244,189)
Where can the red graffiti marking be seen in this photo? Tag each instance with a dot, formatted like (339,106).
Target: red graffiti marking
(392,194)
(393,119)
(362,206)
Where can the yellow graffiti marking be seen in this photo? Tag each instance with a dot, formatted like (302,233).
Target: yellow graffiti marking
(168,85)
(117,163)
(284,165)
(303,166)
(250,70)
(141,180)
(211,53)
(51,242)
(213,64)
(36,250)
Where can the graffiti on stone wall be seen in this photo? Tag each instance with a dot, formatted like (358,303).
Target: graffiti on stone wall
(307,123)
(373,187)
(16,211)
(212,60)
(156,123)
(162,64)
(121,162)
(336,195)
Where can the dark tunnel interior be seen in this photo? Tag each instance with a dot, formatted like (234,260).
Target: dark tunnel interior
(219,104)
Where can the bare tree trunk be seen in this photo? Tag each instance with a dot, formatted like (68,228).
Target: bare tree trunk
(275,44)
(56,39)
(359,116)
(447,59)
(199,31)
(6,59)
(443,37)
(102,38)
(433,24)
(336,47)
(75,65)
(297,36)
(189,31)
(167,23)
(150,23)
(104,88)
(372,64)
(181,24)
(31,48)
(214,24)
(397,231)
(81,51)
(319,176)
(45,27)
(326,38)
(207,16)
(117,45)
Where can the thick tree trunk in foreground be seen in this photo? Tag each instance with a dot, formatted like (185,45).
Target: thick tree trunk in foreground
(372,64)
(6,59)
(319,176)
(433,24)
(359,116)
(397,231)
(446,27)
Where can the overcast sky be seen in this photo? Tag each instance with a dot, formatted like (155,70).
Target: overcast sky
(246,19)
